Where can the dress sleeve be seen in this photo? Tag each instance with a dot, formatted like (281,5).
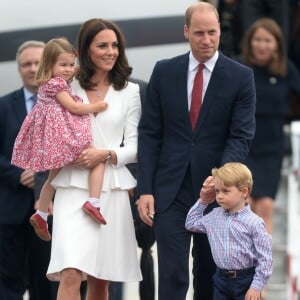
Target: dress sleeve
(128,152)
(56,85)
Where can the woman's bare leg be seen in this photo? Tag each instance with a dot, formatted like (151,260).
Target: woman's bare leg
(97,289)
(69,285)
(264,207)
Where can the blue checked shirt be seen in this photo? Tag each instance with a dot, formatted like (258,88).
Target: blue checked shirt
(237,241)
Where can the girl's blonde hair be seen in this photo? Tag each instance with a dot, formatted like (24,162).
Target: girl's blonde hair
(52,50)
(234,174)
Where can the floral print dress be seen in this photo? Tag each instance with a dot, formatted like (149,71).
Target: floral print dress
(51,137)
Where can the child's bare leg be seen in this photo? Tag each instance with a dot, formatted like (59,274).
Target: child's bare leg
(92,206)
(96,180)
(39,219)
(47,192)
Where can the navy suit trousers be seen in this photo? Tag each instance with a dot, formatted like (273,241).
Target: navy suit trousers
(231,288)
(173,246)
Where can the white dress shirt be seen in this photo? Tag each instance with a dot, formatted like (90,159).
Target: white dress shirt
(192,70)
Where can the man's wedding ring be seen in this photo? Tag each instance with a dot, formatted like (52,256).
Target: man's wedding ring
(151,215)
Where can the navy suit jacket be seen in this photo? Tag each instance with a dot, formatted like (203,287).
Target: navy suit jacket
(16,201)
(167,145)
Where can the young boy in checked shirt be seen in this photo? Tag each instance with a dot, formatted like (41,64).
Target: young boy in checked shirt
(240,244)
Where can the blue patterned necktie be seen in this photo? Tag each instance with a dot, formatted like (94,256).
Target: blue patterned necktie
(33,100)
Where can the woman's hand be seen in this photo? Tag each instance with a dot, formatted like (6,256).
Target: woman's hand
(90,157)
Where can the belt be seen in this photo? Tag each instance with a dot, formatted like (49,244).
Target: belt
(236,273)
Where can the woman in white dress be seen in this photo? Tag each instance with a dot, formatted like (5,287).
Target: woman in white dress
(81,248)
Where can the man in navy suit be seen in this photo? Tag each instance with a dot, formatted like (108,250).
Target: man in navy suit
(24,257)
(174,159)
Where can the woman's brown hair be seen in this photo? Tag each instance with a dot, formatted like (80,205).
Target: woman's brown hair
(278,64)
(121,71)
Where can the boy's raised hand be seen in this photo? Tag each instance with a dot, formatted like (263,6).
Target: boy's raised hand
(207,192)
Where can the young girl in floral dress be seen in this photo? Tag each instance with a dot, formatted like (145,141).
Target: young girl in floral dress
(57,130)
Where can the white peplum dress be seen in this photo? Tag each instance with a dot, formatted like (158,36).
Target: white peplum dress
(109,251)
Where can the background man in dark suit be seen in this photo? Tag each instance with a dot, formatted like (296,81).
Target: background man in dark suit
(24,257)
(174,159)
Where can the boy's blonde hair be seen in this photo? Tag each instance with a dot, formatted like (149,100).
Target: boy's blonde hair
(52,50)
(234,174)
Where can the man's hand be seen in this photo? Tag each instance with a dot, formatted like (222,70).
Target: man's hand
(27,179)
(207,192)
(145,207)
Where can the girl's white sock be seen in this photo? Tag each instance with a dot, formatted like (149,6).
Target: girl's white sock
(95,202)
(43,214)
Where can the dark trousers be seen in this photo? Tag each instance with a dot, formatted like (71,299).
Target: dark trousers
(173,246)
(203,268)
(115,290)
(24,261)
(231,288)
